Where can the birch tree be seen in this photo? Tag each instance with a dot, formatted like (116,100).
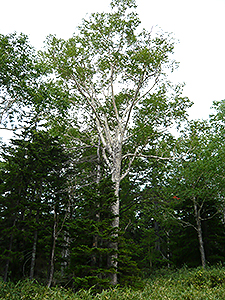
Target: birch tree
(115,72)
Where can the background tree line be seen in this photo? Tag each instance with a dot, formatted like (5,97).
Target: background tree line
(95,189)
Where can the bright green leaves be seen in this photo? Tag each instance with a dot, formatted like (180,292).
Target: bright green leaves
(28,95)
(18,74)
(122,5)
(162,109)
(107,52)
(151,55)
(217,119)
(143,56)
(200,166)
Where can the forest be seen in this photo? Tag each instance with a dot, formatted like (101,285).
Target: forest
(106,179)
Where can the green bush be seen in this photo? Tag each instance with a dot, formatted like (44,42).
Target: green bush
(210,278)
(183,284)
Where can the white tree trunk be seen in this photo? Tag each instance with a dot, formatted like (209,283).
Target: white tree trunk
(116,178)
(33,255)
(199,231)
(34,250)
(54,237)
(98,178)
(65,252)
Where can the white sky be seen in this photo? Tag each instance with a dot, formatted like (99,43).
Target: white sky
(198,24)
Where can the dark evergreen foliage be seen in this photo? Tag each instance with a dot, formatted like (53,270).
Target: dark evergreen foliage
(91,232)
(33,183)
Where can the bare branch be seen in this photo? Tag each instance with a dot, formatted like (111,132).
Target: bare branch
(14,129)
(208,218)
(129,108)
(130,163)
(155,156)
(182,222)
(135,100)
(98,120)
(113,97)
(127,225)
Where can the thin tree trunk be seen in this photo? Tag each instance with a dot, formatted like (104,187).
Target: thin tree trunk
(168,247)
(34,250)
(98,176)
(199,231)
(33,256)
(7,261)
(55,235)
(65,252)
(223,210)
(10,244)
(51,272)
(10,249)
(150,256)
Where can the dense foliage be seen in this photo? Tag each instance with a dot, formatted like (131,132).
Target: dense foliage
(183,284)
(95,190)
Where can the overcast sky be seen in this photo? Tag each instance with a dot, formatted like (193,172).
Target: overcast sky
(198,24)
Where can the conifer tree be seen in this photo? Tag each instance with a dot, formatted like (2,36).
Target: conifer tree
(91,233)
(33,182)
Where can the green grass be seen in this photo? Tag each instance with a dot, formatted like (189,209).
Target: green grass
(196,284)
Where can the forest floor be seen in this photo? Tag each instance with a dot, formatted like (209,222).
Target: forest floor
(186,284)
